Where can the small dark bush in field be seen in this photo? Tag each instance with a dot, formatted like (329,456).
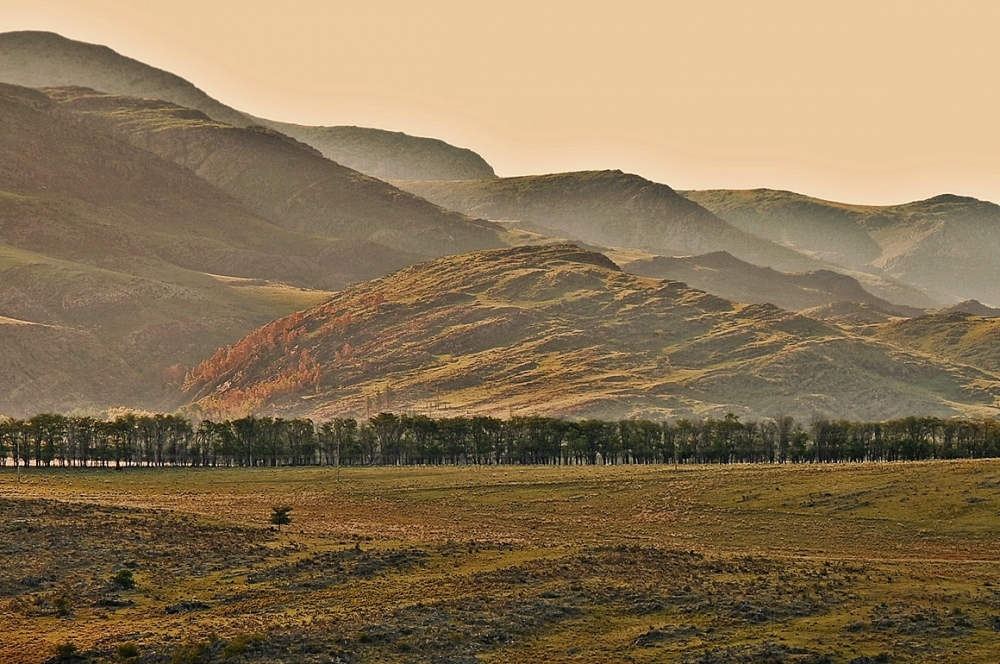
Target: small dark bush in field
(63,607)
(126,650)
(280,516)
(66,651)
(124,578)
(881,658)
(192,653)
(239,644)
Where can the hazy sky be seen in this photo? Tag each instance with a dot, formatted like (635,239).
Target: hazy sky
(873,101)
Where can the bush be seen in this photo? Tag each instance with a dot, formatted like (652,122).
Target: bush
(63,606)
(65,651)
(127,650)
(240,643)
(192,653)
(124,578)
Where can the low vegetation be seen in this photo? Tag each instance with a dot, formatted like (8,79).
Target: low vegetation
(840,563)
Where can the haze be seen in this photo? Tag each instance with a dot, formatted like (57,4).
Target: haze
(848,101)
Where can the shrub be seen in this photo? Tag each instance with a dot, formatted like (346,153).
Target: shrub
(65,651)
(63,607)
(127,650)
(240,643)
(124,578)
(192,653)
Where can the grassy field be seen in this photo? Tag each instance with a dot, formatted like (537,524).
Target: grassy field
(849,563)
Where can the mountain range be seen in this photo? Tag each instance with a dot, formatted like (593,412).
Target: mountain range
(947,246)
(159,249)
(498,332)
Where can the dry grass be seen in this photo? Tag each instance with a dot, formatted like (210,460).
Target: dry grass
(507,564)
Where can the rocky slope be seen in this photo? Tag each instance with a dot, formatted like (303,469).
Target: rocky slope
(562,331)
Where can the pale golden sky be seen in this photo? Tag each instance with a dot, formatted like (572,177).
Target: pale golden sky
(873,101)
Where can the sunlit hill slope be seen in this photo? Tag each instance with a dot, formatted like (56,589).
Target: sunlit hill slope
(562,331)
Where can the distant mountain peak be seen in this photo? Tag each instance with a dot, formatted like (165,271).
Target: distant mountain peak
(38,59)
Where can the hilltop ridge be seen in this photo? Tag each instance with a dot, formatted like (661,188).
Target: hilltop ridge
(389,155)
(559,330)
(38,59)
(946,245)
(608,208)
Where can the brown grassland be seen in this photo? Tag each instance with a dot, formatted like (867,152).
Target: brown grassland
(843,563)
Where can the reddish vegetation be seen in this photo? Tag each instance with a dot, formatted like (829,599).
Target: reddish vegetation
(296,368)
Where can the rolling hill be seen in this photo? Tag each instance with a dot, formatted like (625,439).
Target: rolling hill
(280,179)
(389,155)
(562,331)
(124,253)
(44,59)
(956,336)
(36,59)
(723,274)
(947,245)
(608,208)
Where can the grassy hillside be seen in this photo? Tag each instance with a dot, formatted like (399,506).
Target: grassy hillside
(42,59)
(960,337)
(946,245)
(120,253)
(608,208)
(558,330)
(723,274)
(280,179)
(389,155)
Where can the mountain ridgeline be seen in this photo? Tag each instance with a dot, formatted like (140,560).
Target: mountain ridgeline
(946,245)
(725,275)
(608,208)
(44,59)
(280,179)
(389,155)
(562,331)
(161,250)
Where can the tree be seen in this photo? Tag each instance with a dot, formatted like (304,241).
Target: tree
(281,516)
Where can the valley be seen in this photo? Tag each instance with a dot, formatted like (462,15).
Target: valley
(826,563)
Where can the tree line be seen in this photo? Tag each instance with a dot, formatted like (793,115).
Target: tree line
(132,440)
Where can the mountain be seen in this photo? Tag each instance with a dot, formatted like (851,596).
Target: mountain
(278,178)
(958,337)
(51,368)
(947,245)
(115,253)
(44,59)
(973,307)
(389,155)
(559,330)
(608,208)
(851,314)
(723,274)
